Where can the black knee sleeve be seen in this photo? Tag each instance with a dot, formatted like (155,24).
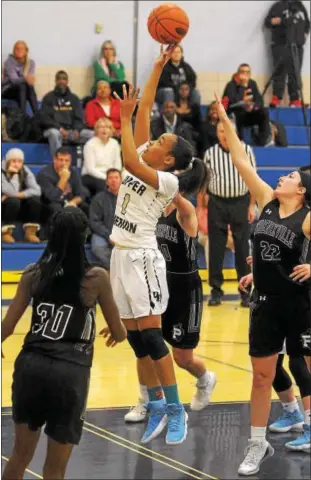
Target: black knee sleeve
(299,368)
(135,340)
(155,345)
(282,380)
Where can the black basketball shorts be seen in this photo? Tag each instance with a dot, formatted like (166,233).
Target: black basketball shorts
(181,321)
(51,392)
(275,319)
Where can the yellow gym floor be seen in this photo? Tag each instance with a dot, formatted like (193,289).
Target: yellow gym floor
(223,345)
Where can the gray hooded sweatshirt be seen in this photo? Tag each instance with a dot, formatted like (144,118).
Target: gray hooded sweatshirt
(24,181)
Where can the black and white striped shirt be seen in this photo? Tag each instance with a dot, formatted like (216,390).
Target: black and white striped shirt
(225,179)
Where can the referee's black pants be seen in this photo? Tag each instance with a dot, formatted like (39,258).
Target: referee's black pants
(221,213)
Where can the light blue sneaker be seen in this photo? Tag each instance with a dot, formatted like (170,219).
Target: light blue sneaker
(177,424)
(288,421)
(302,443)
(157,420)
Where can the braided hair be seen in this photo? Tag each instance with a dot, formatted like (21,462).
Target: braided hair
(63,263)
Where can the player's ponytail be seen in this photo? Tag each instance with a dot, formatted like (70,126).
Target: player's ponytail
(63,263)
(194,176)
(194,179)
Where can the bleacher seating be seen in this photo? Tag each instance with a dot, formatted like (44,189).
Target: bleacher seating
(272,162)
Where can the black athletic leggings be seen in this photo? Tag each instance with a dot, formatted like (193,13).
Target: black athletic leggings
(299,369)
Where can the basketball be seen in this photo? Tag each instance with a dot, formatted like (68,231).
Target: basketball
(168,24)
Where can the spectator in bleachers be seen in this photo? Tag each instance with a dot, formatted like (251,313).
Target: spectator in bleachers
(242,98)
(104,105)
(208,137)
(170,122)
(101,153)
(174,73)
(20,198)
(61,184)
(289,24)
(187,111)
(102,211)
(109,69)
(62,115)
(229,203)
(18,78)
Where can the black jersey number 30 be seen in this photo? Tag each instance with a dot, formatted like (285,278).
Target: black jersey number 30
(269,251)
(53,322)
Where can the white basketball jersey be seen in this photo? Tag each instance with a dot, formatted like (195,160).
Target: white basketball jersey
(139,208)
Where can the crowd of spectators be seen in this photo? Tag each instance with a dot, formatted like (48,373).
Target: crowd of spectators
(93,123)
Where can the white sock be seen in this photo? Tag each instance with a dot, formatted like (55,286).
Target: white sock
(144,393)
(258,433)
(307,416)
(291,407)
(204,379)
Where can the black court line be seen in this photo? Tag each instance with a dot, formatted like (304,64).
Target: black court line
(224,363)
(222,342)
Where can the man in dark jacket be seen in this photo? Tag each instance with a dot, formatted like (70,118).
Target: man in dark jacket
(62,115)
(289,24)
(169,122)
(242,98)
(175,72)
(61,184)
(101,217)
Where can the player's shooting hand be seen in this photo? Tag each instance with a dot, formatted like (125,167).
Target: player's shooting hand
(301,273)
(129,102)
(165,55)
(245,282)
(220,108)
(105,332)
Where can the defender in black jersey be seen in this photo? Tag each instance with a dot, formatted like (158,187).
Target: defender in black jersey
(177,232)
(52,372)
(182,320)
(280,309)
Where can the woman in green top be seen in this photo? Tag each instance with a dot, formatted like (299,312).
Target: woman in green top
(109,69)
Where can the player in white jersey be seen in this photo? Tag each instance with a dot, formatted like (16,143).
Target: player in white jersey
(138,270)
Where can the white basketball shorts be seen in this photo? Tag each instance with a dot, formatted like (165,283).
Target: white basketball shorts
(138,280)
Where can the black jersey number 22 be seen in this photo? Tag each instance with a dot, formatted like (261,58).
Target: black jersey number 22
(269,251)
(53,322)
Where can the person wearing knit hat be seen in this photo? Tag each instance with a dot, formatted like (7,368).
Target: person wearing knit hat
(20,198)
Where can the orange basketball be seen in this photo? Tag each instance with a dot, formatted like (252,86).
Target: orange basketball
(168,23)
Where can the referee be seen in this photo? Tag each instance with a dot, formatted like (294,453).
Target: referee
(229,203)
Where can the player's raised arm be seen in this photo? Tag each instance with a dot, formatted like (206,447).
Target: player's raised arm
(186,216)
(259,189)
(142,123)
(131,161)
